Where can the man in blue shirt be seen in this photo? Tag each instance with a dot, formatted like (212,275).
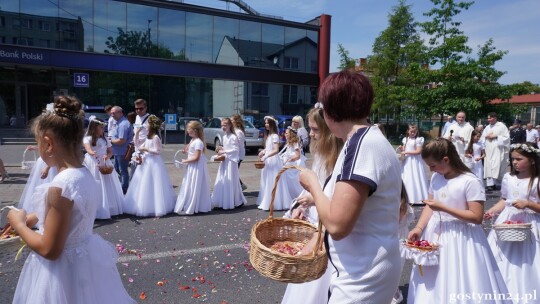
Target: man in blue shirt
(120,135)
(450,121)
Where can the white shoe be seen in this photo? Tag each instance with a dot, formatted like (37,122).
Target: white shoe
(398,297)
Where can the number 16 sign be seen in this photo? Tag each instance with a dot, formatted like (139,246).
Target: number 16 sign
(81,80)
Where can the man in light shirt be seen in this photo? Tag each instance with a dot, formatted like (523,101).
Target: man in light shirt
(459,134)
(139,128)
(532,134)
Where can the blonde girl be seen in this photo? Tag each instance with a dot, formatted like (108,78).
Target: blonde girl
(240,131)
(474,154)
(272,162)
(194,195)
(413,172)
(65,251)
(227,189)
(452,217)
(98,154)
(519,262)
(150,192)
(298,125)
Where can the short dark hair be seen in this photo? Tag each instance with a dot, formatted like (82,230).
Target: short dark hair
(492,114)
(346,95)
(139,101)
(107,108)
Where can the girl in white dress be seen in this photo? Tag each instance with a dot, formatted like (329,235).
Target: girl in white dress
(289,187)
(519,262)
(474,155)
(68,263)
(40,174)
(227,189)
(453,217)
(324,147)
(413,172)
(272,163)
(150,192)
(98,154)
(240,131)
(194,195)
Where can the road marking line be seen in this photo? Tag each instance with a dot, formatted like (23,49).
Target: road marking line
(157,255)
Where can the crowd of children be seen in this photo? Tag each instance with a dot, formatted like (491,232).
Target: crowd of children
(67,196)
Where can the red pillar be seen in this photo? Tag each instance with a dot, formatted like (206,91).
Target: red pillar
(324,47)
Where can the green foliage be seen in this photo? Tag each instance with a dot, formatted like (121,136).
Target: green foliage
(523,88)
(345,61)
(138,43)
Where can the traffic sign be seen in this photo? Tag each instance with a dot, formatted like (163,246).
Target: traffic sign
(170,122)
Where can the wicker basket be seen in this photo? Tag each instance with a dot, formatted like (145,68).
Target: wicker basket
(400,156)
(219,158)
(512,232)
(28,164)
(105,170)
(259,164)
(279,266)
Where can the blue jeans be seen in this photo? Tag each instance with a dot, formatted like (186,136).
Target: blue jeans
(121,166)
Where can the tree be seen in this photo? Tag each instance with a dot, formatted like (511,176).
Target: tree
(138,43)
(523,88)
(460,82)
(345,62)
(394,50)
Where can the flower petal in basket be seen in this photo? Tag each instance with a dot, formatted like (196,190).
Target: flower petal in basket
(423,256)
(279,266)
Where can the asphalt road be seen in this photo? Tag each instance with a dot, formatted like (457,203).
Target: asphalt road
(176,259)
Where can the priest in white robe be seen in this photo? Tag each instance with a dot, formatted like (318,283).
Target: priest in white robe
(459,134)
(497,144)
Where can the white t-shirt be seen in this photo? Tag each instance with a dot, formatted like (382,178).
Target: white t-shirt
(138,124)
(367,261)
(532,135)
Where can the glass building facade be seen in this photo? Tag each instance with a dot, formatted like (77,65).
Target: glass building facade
(183,59)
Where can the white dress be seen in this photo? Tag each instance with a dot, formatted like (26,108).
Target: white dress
(150,191)
(194,195)
(112,197)
(466,264)
(227,189)
(86,270)
(316,291)
(289,186)
(477,166)
(366,263)
(413,171)
(519,262)
(34,180)
(272,165)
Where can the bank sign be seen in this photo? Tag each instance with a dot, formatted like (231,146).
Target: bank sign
(21,56)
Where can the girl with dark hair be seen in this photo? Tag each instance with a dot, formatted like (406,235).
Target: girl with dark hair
(98,154)
(519,262)
(150,192)
(453,217)
(272,162)
(68,262)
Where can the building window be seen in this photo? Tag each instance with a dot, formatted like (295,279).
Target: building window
(44,26)
(290,94)
(290,63)
(259,89)
(2,21)
(23,41)
(16,23)
(44,43)
(314,66)
(26,23)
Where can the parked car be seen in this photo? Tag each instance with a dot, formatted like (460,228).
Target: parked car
(183,121)
(96,111)
(283,122)
(213,135)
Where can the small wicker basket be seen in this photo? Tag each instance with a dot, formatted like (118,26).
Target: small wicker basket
(512,232)
(105,170)
(282,267)
(178,162)
(219,158)
(259,164)
(28,164)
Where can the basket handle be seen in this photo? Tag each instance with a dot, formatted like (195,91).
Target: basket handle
(25,151)
(278,176)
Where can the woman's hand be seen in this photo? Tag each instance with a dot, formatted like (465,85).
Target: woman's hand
(308,249)
(143,149)
(521,204)
(105,157)
(307,179)
(400,148)
(299,213)
(261,154)
(45,172)
(306,200)
(92,152)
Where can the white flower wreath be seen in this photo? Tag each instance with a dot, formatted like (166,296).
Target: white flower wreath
(525,148)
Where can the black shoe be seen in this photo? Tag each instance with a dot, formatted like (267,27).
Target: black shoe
(490,188)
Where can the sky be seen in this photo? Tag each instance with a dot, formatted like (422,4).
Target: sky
(514,26)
